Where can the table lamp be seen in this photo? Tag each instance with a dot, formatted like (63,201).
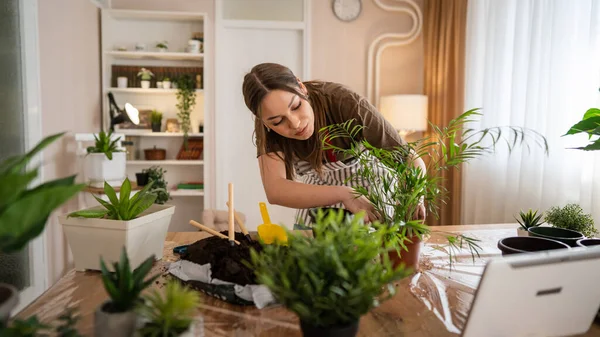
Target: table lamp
(118,115)
(406,113)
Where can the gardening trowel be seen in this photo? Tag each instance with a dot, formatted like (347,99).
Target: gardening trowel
(269,232)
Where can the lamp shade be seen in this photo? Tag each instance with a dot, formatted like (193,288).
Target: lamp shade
(405,112)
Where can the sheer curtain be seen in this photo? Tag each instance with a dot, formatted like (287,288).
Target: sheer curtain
(532,63)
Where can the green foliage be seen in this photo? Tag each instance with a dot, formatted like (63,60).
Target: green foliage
(156,176)
(334,278)
(32,327)
(171,314)
(122,208)
(105,145)
(156,117)
(68,321)
(186,97)
(397,194)
(124,286)
(590,124)
(571,217)
(162,44)
(529,219)
(25,210)
(145,74)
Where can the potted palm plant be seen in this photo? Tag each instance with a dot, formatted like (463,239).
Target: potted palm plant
(528,220)
(117,317)
(18,223)
(333,279)
(397,195)
(171,314)
(145,76)
(123,221)
(105,161)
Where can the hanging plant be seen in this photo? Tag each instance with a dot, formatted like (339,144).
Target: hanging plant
(186,97)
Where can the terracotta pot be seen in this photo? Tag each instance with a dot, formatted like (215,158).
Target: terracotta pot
(409,258)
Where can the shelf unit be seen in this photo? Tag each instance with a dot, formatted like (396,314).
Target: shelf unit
(126,29)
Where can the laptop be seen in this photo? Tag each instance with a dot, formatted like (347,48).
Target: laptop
(551,293)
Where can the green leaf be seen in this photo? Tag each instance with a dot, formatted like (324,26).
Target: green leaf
(141,205)
(585,125)
(13,184)
(96,213)
(592,112)
(19,164)
(111,194)
(125,190)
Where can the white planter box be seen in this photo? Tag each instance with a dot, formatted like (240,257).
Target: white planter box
(522,232)
(91,239)
(99,169)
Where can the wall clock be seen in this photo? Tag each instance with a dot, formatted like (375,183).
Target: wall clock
(347,10)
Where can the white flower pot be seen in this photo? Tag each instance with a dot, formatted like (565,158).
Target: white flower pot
(522,232)
(121,324)
(166,84)
(162,50)
(99,169)
(91,239)
(122,82)
(159,84)
(145,84)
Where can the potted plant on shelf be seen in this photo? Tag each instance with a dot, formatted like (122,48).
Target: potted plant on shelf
(117,317)
(141,178)
(156,120)
(105,161)
(123,221)
(156,176)
(145,75)
(528,220)
(24,209)
(166,83)
(162,46)
(171,314)
(186,100)
(397,194)
(572,217)
(332,280)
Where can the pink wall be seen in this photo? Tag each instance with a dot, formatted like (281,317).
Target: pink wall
(339,50)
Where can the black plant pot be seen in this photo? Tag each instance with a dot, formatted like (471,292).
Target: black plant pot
(567,236)
(348,330)
(141,179)
(588,242)
(528,244)
(156,127)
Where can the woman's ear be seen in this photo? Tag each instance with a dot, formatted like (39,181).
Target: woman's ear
(302,87)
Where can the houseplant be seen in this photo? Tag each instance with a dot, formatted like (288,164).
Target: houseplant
(122,221)
(156,176)
(171,314)
(527,220)
(18,224)
(162,46)
(117,317)
(166,83)
(145,75)
(397,195)
(186,97)
(572,217)
(105,161)
(156,120)
(332,280)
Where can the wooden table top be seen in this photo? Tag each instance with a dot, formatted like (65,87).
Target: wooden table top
(432,302)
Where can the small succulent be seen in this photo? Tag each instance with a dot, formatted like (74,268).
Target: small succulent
(105,145)
(123,285)
(171,314)
(145,74)
(123,207)
(529,219)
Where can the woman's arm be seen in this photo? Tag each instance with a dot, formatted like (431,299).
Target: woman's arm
(287,193)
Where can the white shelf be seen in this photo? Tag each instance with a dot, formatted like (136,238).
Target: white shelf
(146,133)
(124,14)
(145,91)
(187,193)
(148,55)
(165,162)
(264,24)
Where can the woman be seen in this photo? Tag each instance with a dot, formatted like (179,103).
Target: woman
(296,172)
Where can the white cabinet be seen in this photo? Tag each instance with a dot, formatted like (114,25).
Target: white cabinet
(245,38)
(129,38)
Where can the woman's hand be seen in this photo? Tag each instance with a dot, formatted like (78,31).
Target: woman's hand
(356,204)
(420,212)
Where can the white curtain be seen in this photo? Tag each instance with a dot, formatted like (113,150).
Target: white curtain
(536,64)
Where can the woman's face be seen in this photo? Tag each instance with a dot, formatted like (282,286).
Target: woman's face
(288,114)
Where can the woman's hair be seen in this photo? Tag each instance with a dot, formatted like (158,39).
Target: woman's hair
(261,80)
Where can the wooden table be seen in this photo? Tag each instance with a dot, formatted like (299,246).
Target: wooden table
(432,302)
